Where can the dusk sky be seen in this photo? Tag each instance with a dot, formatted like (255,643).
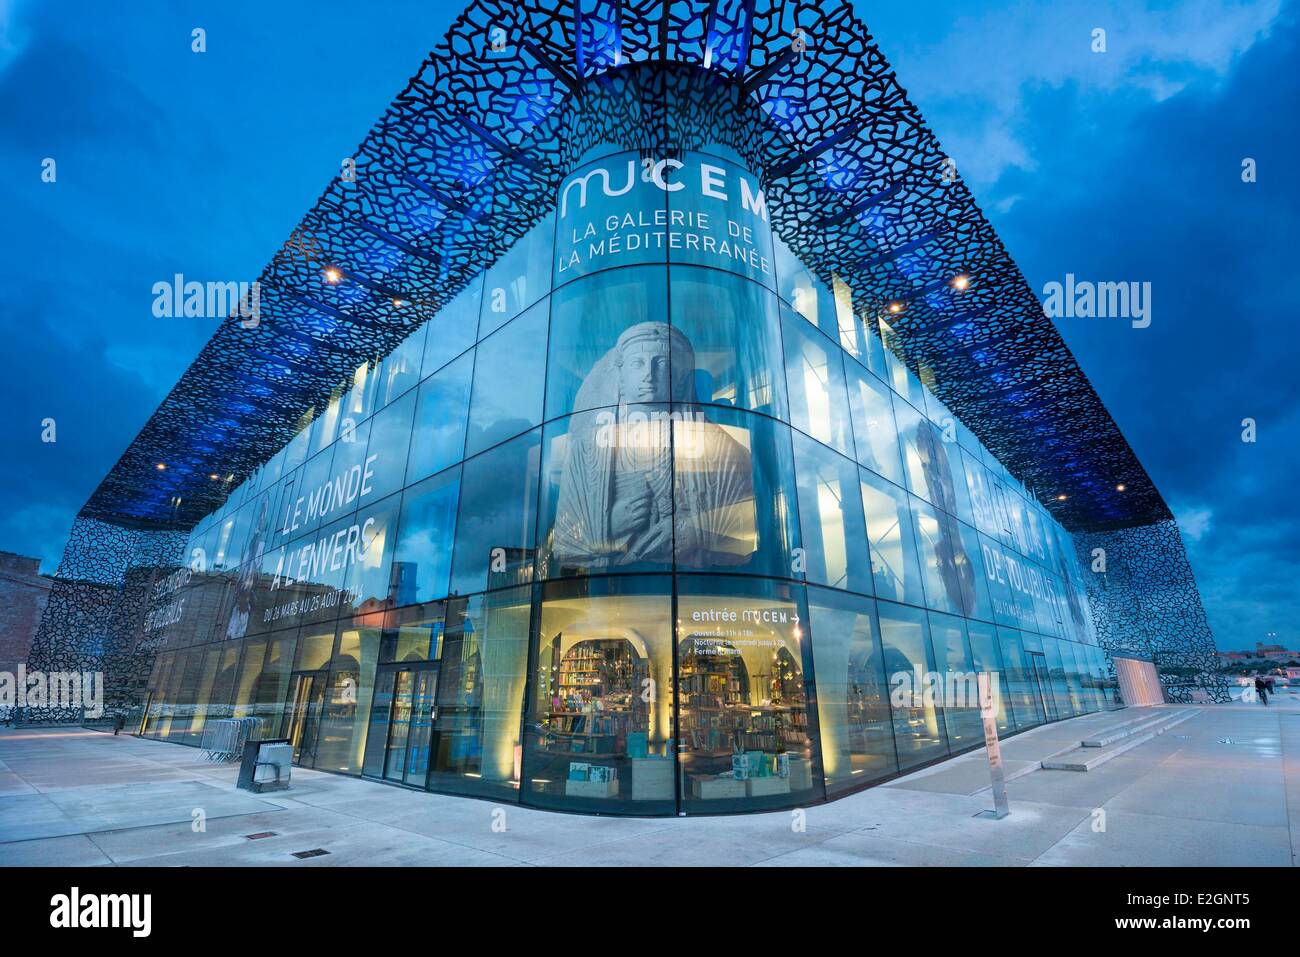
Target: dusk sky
(1117,166)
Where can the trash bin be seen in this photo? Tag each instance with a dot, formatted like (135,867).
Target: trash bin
(266,765)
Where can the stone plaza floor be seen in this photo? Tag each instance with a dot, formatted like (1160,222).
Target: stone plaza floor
(1220,788)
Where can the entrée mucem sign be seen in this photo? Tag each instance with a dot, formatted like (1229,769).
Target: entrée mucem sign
(630,209)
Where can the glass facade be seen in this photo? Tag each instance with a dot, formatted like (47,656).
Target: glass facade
(649,519)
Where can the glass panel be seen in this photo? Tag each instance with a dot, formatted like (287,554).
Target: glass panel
(833,528)
(960,684)
(414,634)
(987,656)
(400,369)
(948,574)
(269,694)
(346,712)
(400,726)
(722,221)
(390,440)
(381,712)
(599,728)
(857,737)
(519,278)
(806,294)
(418,739)
(368,579)
(726,347)
(909,664)
(509,378)
(315,648)
(893,540)
(814,373)
(1059,691)
(1021,682)
(440,412)
(454,329)
(744,681)
(598,341)
(875,438)
(733,491)
(497,519)
(422,561)
(608,493)
(250,671)
(476,742)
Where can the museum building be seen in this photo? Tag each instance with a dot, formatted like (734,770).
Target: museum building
(644,423)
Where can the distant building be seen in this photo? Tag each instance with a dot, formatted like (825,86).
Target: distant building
(23,594)
(1261,652)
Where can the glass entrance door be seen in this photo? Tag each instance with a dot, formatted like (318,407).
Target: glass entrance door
(401,724)
(306,698)
(1040,680)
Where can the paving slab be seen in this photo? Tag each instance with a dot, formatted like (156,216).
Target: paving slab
(1221,788)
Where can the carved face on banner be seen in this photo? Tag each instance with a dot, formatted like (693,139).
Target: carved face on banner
(618,496)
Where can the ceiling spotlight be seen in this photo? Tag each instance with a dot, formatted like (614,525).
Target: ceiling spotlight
(214,477)
(895,307)
(398,303)
(333,275)
(1062,498)
(960,282)
(160,466)
(1120,488)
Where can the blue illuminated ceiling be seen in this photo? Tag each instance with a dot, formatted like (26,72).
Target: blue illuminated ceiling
(469,156)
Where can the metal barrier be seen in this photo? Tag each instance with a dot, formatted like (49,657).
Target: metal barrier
(266,765)
(224,740)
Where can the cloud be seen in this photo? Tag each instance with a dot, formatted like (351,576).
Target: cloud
(972,81)
(1195,522)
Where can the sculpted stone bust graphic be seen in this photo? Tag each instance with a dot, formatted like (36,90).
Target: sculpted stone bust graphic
(617,492)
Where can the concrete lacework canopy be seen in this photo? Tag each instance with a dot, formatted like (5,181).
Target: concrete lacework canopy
(469,156)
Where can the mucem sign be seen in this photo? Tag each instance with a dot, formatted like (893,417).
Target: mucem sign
(620,436)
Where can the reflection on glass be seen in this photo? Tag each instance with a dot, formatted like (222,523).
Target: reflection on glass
(814,372)
(422,560)
(519,278)
(832,526)
(599,728)
(496,522)
(960,683)
(733,490)
(874,435)
(440,412)
(857,738)
(509,370)
(919,729)
(947,572)
(727,344)
(987,657)
(892,539)
(1020,681)
(453,329)
(341,737)
(476,744)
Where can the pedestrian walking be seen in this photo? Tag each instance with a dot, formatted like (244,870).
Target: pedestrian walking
(1261,690)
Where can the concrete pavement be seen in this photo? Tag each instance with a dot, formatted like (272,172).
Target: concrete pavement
(1221,788)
